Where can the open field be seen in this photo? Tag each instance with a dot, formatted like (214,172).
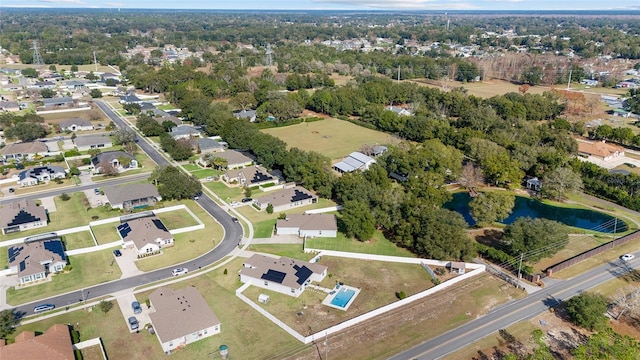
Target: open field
(577,244)
(330,137)
(286,250)
(376,245)
(78,240)
(87,269)
(87,67)
(483,89)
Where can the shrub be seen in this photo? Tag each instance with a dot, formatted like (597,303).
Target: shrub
(282,216)
(401,294)
(269,209)
(105,306)
(64,197)
(225,271)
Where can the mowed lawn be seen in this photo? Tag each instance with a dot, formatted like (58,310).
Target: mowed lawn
(331,137)
(87,269)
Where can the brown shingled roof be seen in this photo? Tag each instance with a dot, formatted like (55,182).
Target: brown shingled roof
(54,344)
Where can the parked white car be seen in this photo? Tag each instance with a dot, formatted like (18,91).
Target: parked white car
(627,257)
(179,271)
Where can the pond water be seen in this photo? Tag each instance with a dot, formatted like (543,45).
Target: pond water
(580,218)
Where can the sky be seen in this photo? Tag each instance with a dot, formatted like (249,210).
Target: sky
(335,4)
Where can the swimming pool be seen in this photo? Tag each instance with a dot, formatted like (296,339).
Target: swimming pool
(343,297)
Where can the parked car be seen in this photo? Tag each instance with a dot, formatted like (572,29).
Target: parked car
(12,190)
(117,253)
(196,197)
(133,323)
(235,203)
(246,200)
(42,308)
(137,309)
(96,191)
(179,271)
(627,257)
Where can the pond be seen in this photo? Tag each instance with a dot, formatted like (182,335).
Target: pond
(580,218)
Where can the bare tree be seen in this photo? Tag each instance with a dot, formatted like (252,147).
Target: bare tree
(107,169)
(471,176)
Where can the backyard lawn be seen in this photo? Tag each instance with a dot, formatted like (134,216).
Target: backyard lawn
(378,244)
(177,219)
(78,240)
(106,233)
(330,137)
(87,269)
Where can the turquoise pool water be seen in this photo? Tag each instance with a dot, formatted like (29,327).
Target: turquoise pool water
(343,297)
(580,218)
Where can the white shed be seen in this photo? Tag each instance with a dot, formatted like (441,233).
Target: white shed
(263,298)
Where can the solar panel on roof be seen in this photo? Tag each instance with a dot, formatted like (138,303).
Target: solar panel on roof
(14,252)
(274,276)
(23,217)
(299,195)
(259,176)
(159,224)
(303,274)
(55,246)
(124,230)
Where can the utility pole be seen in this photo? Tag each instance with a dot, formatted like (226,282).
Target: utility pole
(520,268)
(95,61)
(269,58)
(569,82)
(398,73)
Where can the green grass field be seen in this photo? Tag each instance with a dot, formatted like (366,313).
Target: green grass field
(88,269)
(331,137)
(264,229)
(106,233)
(377,245)
(78,240)
(177,219)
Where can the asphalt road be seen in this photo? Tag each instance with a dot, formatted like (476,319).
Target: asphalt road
(513,312)
(232,237)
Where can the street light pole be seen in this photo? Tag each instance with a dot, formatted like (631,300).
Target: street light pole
(520,269)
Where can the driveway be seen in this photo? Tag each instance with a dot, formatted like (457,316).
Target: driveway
(95,199)
(124,302)
(127,263)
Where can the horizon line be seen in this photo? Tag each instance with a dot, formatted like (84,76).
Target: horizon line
(47,7)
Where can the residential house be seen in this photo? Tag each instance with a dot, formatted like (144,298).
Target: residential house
(88,142)
(106,76)
(184,132)
(147,235)
(9,106)
(355,161)
(73,85)
(600,150)
(25,150)
(287,198)
(43,85)
(621,112)
(235,159)
(115,159)
(534,184)
(208,145)
(284,275)
(589,82)
(308,225)
(130,99)
(132,196)
(76,124)
(254,175)
(181,317)
(22,215)
(379,150)
(58,102)
(38,174)
(399,110)
(246,115)
(35,260)
(53,344)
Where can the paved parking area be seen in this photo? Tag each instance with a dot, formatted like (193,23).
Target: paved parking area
(127,263)
(124,302)
(95,199)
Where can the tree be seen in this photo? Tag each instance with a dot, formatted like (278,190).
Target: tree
(538,238)
(29,72)
(105,306)
(47,93)
(247,191)
(26,131)
(607,344)
(588,310)
(270,209)
(107,169)
(532,75)
(173,184)
(491,206)
(132,108)
(123,135)
(356,220)
(74,68)
(559,183)
(149,126)
(471,176)
(243,100)
(95,93)
(8,322)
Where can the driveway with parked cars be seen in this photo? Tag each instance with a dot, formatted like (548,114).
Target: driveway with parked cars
(125,303)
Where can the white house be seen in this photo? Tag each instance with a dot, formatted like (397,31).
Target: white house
(184,132)
(38,174)
(246,114)
(600,150)
(181,317)
(25,150)
(147,235)
(355,161)
(284,275)
(235,159)
(88,142)
(34,261)
(287,198)
(22,215)
(308,225)
(132,196)
(76,124)
(534,184)
(398,110)
(115,159)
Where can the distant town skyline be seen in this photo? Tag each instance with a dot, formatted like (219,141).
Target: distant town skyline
(335,4)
